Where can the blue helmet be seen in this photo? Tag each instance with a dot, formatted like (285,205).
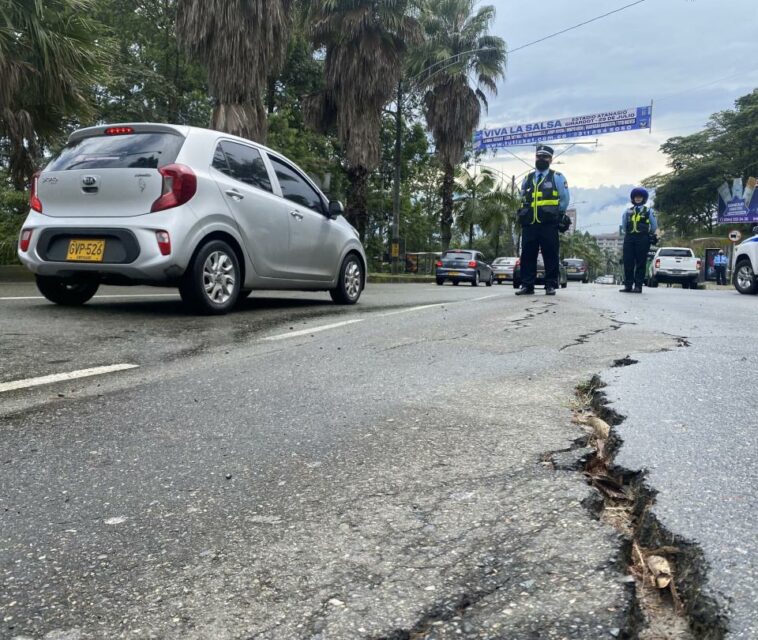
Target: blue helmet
(639,192)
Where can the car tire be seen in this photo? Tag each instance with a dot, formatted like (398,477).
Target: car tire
(475,282)
(516,284)
(491,280)
(455,283)
(350,283)
(652,283)
(694,284)
(66,292)
(211,285)
(564,285)
(744,279)
(585,281)
(440,281)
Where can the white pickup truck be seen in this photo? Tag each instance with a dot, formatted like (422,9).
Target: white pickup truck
(746,265)
(675,265)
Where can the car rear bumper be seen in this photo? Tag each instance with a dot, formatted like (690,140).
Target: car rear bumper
(131,251)
(670,276)
(458,275)
(576,276)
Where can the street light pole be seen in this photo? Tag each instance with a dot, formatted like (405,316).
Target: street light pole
(395,250)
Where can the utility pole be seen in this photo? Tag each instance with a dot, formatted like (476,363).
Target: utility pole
(395,249)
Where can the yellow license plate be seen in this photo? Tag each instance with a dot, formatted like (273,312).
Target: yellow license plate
(86,250)
(453,273)
(502,277)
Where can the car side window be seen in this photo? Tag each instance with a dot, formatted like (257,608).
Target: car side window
(295,188)
(242,163)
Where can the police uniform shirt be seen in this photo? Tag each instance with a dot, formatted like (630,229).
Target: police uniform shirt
(560,184)
(638,208)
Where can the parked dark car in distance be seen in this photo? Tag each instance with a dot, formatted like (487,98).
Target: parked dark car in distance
(562,280)
(576,269)
(463,265)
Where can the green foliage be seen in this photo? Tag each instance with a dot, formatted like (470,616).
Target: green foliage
(51,53)
(686,197)
(151,78)
(584,246)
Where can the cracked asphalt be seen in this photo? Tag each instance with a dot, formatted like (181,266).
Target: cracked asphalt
(366,480)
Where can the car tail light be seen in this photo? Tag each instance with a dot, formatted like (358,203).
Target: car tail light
(658,263)
(119,131)
(25,239)
(34,201)
(472,263)
(179,186)
(517,263)
(699,264)
(439,263)
(164,242)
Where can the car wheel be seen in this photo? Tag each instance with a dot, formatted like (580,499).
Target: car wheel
(744,279)
(211,284)
(491,280)
(475,283)
(455,283)
(516,284)
(694,284)
(440,281)
(66,291)
(564,285)
(652,283)
(350,283)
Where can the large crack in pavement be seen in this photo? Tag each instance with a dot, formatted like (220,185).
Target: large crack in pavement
(678,607)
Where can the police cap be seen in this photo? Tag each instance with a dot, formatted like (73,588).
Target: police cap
(544,150)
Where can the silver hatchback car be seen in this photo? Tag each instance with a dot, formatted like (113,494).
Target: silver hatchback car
(215,215)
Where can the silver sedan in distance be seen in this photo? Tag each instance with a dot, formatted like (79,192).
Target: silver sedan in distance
(215,215)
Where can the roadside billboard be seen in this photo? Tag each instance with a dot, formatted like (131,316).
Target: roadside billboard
(738,204)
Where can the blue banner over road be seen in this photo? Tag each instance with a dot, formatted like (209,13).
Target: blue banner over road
(575,127)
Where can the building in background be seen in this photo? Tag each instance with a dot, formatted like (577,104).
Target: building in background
(571,213)
(610,242)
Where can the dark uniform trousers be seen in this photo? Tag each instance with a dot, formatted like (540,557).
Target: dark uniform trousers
(636,246)
(721,275)
(533,238)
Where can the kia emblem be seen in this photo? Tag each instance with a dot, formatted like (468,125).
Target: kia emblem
(89,181)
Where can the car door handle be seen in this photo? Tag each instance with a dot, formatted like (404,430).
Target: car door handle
(233,193)
(296,214)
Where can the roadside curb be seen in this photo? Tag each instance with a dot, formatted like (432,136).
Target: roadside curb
(387,278)
(15,273)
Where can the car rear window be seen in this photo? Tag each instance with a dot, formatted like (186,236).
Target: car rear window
(675,253)
(136,150)
(457,255)
(574,263)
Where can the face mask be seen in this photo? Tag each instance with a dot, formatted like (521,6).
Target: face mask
(542,165)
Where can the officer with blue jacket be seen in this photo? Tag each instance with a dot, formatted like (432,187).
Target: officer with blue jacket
(719,264)
(638,224)
(545,198)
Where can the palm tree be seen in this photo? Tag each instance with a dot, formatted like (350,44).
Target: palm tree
(51,53)
(241,43)
(365,41)
(475,196)
(457,47)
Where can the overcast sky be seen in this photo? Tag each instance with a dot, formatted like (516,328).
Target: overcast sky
(691,57)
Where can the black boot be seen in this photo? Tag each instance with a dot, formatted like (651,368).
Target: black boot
(626,290)
(525,291)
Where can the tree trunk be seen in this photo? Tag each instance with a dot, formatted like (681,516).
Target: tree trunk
(355,212)
(446,217)
(471,236)
(247,120)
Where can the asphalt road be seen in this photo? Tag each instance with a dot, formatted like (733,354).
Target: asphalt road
(301,470)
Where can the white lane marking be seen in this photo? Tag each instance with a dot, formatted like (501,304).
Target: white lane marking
(425,306)
(105,295)
(307,332)
(62,377)
(494,295)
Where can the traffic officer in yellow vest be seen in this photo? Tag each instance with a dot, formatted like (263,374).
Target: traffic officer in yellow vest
(545,198)
(638,224)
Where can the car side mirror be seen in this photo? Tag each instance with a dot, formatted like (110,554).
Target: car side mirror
(336,208)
